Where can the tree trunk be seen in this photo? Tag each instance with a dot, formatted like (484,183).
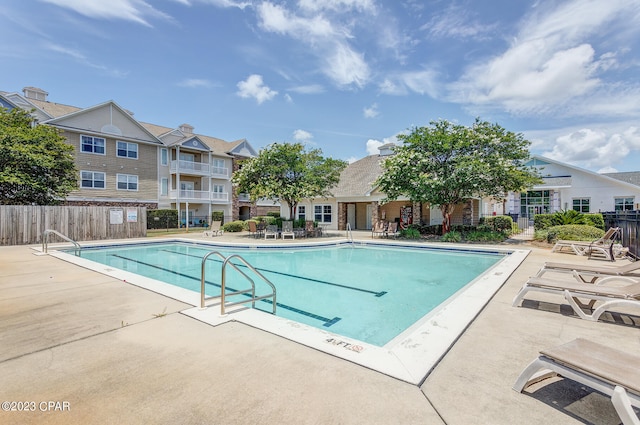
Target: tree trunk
(447,210)
(292,210)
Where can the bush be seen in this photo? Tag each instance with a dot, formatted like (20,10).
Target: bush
(498,223)
(234,226)
(562,217)
(485,236)
(217,216)
(410,233)
(165,219)
(452,236)
(274,214)
(595,220)
(542,221)
(573,232)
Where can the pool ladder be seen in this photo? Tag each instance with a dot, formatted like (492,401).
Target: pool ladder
(349,233)
(226,261)
(45,241)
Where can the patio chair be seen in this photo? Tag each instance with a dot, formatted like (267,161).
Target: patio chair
(214,230)
(379,228)
(602,247)
(271,230)
(589,273)
(287,229)
(392,230)
(255,229)
(609,371)
(311,230)
(610,296)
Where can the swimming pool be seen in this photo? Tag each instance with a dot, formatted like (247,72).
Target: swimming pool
(409,356)
(369,293)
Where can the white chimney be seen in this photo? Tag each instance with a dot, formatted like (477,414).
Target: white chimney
(386,149)
(186,128)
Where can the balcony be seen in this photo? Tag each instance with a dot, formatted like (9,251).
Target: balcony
(201,196)
(199,169)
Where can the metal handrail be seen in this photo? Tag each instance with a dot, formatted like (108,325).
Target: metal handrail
(349,232)
(45,241)
(223,294)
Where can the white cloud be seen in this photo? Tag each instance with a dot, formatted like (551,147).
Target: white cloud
(303,136)
(327,41)
(308,89)
(420,82)
(82,59)
(288,98)
(129,10)
(253,87)
(552,64)
(372,146)
(352,159)
(337,5)
(595,148)
(371,111)
(455,22)
(196,83)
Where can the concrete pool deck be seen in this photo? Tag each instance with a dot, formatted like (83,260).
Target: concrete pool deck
(116,353)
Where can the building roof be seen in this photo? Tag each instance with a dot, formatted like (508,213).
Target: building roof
(632,177)
(359,177)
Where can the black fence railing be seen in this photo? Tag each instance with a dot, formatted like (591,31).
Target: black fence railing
(629,224)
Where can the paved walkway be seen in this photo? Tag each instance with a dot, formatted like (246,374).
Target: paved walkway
(111,353)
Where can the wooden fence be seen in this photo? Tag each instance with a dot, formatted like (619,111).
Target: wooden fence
(24,224)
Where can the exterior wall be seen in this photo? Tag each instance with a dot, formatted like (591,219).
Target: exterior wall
(145,167)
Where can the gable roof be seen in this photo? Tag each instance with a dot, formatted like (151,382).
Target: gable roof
(604,176)
(359,177)
(632,177)
(110,117)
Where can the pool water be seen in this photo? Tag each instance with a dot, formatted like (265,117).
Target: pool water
(369,293)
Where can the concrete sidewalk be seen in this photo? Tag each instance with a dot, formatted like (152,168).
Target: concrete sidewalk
(120,354)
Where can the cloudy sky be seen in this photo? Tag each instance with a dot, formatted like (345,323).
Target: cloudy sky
(344,75)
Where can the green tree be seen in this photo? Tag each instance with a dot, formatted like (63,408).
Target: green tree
(288,172)
(36,165)
(445,164)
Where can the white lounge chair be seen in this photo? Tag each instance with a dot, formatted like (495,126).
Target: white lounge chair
(604,247)
(610,296)
(612,372)
(271,230)
(589,273)
(287,230)
(379,228)
(214,230)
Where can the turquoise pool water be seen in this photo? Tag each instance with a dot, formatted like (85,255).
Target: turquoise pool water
(369,293)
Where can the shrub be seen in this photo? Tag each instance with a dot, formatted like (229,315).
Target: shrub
(165,219)
(562,217)
(274,214)
(217,216)
(485,236)
(452,236)
(499,223)
(234,226)
(573,232)
(595,220)
(542,221)
(410,233)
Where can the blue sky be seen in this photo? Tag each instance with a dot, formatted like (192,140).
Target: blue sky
(344,75)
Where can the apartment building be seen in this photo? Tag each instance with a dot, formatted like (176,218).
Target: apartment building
(124,162)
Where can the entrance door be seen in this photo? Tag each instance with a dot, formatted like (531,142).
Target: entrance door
(435,215)
(369,216)
(186,189)
(351,215)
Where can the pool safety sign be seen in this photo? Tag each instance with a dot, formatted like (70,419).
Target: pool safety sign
(116,217)
(132,216)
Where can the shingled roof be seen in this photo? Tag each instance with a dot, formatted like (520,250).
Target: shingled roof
(632,177)
(359,177)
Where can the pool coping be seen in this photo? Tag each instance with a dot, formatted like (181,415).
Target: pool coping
(409,357)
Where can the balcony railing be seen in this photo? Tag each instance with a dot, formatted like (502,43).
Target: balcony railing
(199,195)
(198,168)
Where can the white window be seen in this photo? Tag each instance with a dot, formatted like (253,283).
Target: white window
(624,204)
(164,157)
(302,212)
(91,180)
(217,188)
(127,182)
(127,150)
(218,166)
(581,204)
(91,144)
(322,213)
(164,186)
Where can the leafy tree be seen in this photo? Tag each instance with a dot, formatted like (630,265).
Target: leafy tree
(445,164)
(288,172)
(36,165)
